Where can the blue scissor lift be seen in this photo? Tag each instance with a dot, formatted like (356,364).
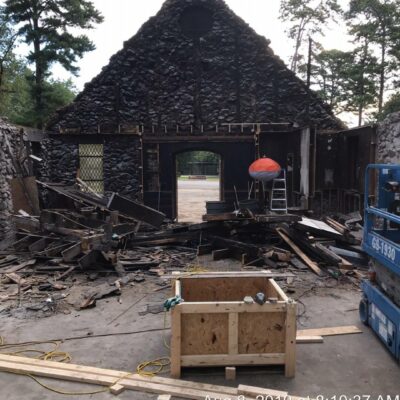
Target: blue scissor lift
(379,307)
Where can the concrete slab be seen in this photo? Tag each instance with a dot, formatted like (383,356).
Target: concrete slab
(343,365)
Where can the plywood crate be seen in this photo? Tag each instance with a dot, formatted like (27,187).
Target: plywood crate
(213,326)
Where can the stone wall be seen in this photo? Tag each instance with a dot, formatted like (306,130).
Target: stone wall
(388,150)
(194,63)
(61,161)
(121,161)
(10,139)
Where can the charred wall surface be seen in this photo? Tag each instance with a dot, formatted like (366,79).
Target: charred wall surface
(121,161)
(194,63)
(191,69)
(10,140)
(389,140)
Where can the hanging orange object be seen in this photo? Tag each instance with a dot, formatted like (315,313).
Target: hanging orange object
(264,169)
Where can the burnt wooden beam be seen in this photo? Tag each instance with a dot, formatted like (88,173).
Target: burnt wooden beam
(221,254)
(135,210)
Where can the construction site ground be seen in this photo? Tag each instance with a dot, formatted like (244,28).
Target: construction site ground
(192,197)
(349,365)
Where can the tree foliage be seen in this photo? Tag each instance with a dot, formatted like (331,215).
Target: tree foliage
(17,102)
(377,23)
(306,18)
(47,27)
(7,43)
(391,106)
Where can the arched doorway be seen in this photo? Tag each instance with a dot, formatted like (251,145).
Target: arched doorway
(198,180)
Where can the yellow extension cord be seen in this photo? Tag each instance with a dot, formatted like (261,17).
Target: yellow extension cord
(157,366)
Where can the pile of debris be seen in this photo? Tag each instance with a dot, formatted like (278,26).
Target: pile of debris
(100,236)
(88,234)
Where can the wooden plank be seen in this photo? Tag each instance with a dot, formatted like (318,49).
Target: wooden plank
(25,195)
(164,397)
(223,217)
(336,330)
(135,210)
(204,334)
(117,389)
(230,373)
(221,254)
(17,279)
(130,384)
(309,339)
(118,374)
(233,333)
(261,392)
(278,290)
(230,307)
(204,249)
(262,333)
(72,252)
(238,248)
(221,274)
(178,288)
(290,345)
(311,264)
(176,338)
(107,377)
(211,360)
(16,268)
(39,245)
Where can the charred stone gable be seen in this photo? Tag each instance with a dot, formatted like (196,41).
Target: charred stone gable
(194,63)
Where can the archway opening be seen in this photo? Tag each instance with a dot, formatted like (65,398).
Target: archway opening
(198,181)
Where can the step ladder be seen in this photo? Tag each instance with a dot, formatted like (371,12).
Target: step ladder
(279,195)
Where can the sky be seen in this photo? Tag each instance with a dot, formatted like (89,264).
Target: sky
(123,18)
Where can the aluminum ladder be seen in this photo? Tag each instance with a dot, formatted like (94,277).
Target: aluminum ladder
(279,195)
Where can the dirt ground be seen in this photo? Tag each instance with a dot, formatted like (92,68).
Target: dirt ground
(105,337)
(192,197)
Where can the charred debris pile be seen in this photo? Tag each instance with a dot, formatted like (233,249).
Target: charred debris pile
(129,243)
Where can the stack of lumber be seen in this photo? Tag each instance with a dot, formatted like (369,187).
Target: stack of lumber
(118,381)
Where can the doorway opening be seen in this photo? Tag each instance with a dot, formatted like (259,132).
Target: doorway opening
(198,181)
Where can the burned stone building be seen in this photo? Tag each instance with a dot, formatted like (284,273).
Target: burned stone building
(195,77)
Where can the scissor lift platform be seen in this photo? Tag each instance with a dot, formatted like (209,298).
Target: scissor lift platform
(381,242)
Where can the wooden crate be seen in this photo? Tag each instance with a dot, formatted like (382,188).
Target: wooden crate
(215,327)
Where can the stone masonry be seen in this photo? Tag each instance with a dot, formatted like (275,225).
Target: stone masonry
(10,140)
(388,150)
(194,63)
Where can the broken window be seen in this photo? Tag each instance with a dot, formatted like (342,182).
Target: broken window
(91,166)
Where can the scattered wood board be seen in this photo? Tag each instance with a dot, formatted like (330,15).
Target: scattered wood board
(309,339)
(336,330)
(311,264)
(107,377)
(260,392)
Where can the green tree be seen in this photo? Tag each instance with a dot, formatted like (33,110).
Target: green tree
(7,42)
(330,74)
(391,106)
(306,18)
(17,102)
(346,80)
(378,23)
(362,82)
(46,26)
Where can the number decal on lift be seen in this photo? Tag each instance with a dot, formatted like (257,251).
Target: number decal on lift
(380,246)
